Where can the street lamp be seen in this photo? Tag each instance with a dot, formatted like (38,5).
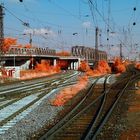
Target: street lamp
(30,40)
(75,33)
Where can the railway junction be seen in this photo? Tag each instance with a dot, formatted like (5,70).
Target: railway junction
(59,86)
(96,112)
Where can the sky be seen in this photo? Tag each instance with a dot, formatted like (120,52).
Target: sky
(60,24)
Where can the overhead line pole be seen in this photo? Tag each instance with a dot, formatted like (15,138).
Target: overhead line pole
(91,5)
(96,44)
(121,55)
(1,27)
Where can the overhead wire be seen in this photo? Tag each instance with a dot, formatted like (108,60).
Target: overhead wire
(12,29)
(58,6)
(24,23)
(90,3)
(53,24)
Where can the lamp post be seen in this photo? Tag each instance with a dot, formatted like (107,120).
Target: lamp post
(74,35)
(30,38)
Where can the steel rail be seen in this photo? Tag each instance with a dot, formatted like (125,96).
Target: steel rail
(42,94)
(71,115)
(25,86)
(93,134)
(30,90)
(88,132)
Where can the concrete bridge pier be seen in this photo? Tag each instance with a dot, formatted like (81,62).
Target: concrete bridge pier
(74,65)
(54,62)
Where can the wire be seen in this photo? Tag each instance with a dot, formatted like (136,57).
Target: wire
(99,13)
(13,29)
(58,6)
(43,23)
(92,12)
(23,23)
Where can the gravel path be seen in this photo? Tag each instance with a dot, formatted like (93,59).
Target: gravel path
(42,114)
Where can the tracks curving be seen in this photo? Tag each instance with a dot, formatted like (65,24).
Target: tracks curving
(87,120)
(74,124)
(20,101)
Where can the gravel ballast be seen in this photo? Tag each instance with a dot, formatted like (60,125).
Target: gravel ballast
(41,114)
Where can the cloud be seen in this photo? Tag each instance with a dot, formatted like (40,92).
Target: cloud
(86,24)
(41,31)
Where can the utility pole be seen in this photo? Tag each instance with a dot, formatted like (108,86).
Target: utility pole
(1,28)
(121,56)
(30,41)
(1,33)
(96,44)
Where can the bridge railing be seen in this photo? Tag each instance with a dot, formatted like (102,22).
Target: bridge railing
(30,51)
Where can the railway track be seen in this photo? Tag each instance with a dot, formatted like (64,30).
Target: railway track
(80,108)
(17,102)
(14,93)
(29,85)
(87,119)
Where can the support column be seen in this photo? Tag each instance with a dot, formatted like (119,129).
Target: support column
(76,66)
(79,62)
(54,62)
(72,66)
(68,68)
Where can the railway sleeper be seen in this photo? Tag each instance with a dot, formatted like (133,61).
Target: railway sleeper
(66,138)
(80,130)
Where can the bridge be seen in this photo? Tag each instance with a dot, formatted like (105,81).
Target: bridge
(88,54)
(19,56)
(27,58)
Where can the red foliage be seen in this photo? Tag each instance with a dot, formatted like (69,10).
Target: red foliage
(119,66)
(84,66)
(67,93)
(8,42)
(43,66)
(101,68)
(42,69)
(28,46)
(137,66)
(20,46)
(63,53)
